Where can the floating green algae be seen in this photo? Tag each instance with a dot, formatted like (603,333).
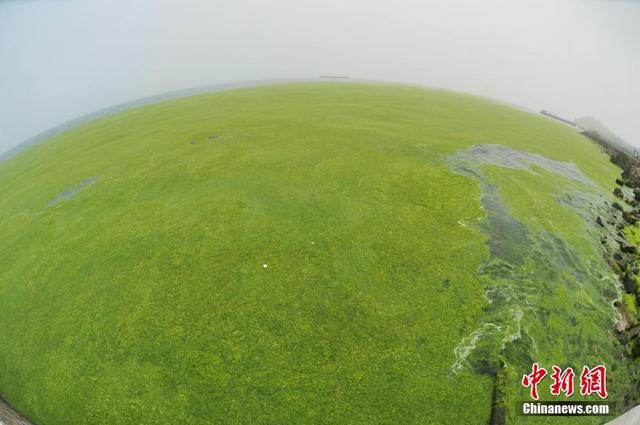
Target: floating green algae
(549,291)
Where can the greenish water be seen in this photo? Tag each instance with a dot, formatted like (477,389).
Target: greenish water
(395,282)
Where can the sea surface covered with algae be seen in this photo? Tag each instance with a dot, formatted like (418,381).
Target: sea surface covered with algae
(549,291)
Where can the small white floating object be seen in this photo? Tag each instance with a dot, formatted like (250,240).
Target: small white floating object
(265,265)
(313,243)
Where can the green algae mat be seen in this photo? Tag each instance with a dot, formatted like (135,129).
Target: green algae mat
(301,253)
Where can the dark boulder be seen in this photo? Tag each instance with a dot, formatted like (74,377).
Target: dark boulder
(621,262)
(629,217)
(629,283)
(617,206)
(618,193)
(635,350)
(628,248)
(599,221)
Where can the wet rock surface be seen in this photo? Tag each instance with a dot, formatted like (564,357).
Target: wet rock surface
(8,416)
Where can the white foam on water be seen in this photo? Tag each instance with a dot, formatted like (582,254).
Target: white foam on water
(467,344)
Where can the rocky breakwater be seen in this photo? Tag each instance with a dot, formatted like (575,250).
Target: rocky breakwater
(618,237)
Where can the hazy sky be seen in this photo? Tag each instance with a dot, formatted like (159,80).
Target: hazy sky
(60,59)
